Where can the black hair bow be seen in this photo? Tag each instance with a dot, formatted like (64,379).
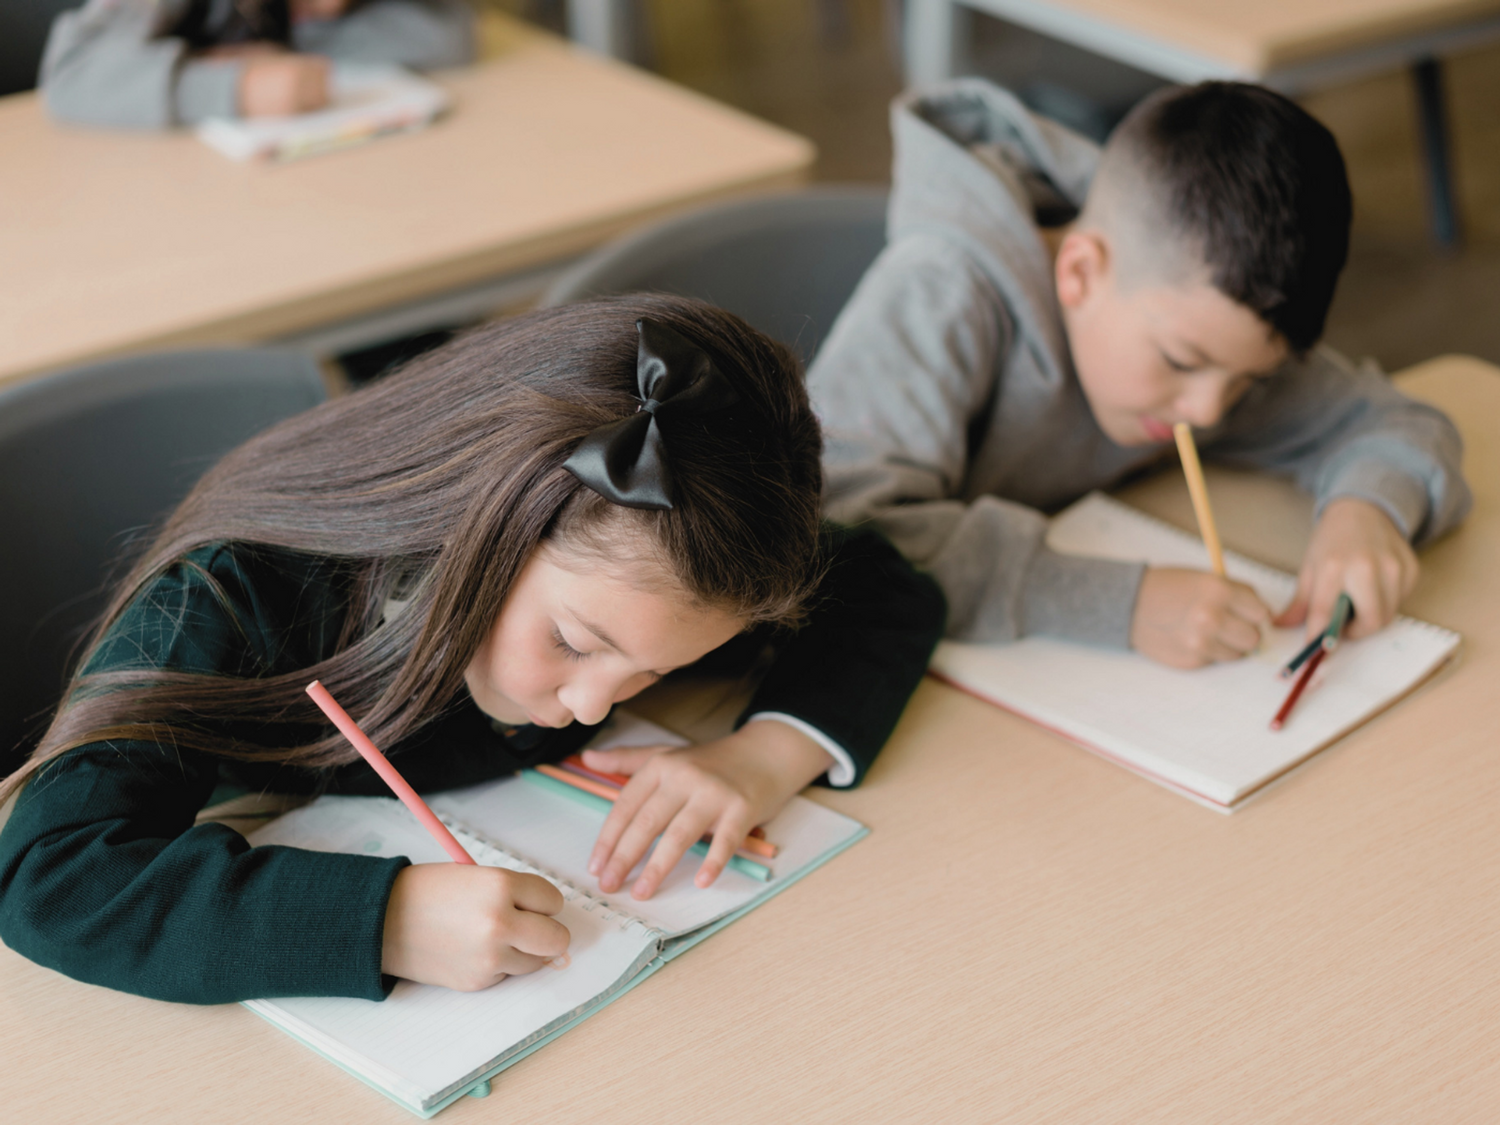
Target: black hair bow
(626,461)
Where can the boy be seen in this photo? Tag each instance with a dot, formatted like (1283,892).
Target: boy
(149,64)
(992,366)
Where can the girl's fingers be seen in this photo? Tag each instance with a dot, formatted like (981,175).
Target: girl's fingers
(643,828)
(727,837)
(534,894)
(627,804)
(536,935)
(687,827)
(627,760)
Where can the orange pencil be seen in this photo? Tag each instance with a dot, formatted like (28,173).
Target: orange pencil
(609,793)
(575,763)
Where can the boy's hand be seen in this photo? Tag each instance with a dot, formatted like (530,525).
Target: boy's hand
(1188,618)
(1357,550)
(467,927)
(724,788)
(276,85)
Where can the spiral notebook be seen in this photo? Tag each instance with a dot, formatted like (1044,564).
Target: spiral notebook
(1202,733)
(425,1046)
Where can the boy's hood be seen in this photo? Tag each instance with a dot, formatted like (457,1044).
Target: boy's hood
(976,166)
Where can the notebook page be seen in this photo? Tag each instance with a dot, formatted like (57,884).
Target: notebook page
(559,834)
(424,1042)
(1205,731)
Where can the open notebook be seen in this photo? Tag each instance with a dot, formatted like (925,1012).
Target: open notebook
(365,101)
(425,1046)
(1203,733)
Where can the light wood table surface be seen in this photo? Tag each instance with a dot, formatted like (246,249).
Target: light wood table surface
(113,242)
(1289,43)
(1029,934)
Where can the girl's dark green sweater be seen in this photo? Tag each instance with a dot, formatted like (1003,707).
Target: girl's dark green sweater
(105,876)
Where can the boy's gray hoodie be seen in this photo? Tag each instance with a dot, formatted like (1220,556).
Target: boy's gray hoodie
(115,62)
(954,419)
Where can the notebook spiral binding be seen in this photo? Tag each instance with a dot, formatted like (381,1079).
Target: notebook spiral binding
(482,848)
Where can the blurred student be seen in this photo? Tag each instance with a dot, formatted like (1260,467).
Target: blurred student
(1046,312)
(151,64)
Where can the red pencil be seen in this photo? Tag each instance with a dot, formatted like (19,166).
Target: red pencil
(1291,700)
(361,742)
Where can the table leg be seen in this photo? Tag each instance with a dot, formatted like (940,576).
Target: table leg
(1437,154)
(934,35)
(601,25)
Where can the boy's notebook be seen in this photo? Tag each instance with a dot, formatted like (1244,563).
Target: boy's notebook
(425,1046)
(365,101)
(1203,733)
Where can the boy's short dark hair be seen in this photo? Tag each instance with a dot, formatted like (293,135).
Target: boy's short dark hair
(1259,187)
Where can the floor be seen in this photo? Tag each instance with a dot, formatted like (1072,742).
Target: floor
(828,69)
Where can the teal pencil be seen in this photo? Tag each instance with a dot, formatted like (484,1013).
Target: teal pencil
(1343,609)
(745,866)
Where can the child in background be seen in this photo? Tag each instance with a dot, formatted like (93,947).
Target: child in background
(479,556)
(1044,313)
(150,64)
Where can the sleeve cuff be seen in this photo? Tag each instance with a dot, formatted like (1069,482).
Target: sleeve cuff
(207,88)
(1082,599)
(1396,493)
(842,774)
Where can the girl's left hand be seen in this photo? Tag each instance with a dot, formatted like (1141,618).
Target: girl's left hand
(723,789)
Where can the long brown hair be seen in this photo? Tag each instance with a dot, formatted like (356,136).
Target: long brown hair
(437,484)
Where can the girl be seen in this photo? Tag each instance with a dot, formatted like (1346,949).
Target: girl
(148,64)
(479,557)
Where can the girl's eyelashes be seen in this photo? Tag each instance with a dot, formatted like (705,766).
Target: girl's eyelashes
(560,643)
(1177,365)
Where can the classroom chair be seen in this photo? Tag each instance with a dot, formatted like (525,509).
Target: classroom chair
(785,263)
(91,460)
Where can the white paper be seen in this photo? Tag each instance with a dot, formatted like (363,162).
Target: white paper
(1204,731)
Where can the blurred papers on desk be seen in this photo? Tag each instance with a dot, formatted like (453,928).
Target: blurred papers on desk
(366,102)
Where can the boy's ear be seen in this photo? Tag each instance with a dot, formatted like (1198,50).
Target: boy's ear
(1083,261)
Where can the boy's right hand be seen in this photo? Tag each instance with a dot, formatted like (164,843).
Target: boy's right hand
(1189,618)
(467,927)
(275,85)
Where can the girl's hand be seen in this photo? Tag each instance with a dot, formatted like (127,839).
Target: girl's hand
(467,927)
(278,84)
(1357,550)
(723,788)
(1188,618)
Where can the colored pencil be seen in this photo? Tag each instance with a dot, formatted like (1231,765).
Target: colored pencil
(1343,609)
(1193,470)
(408,796)
(553,777)
(1297,661)
(756,843)
(1296,693)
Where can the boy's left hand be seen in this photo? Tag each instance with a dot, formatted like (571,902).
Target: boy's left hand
(1357,550)
(723,788)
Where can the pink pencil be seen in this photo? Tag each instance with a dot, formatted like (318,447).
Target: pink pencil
(387,772)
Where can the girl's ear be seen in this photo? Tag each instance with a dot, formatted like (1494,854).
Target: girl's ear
(1081,267)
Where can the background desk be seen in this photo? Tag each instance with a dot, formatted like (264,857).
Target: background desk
(1291,45)
(1029,934)
(115,242)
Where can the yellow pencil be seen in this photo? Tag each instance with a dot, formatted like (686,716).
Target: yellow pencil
(1194,473)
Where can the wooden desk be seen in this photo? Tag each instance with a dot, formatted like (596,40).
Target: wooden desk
(1292,45)
(115,242)
(1029,934)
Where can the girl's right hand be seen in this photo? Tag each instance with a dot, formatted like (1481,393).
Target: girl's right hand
(467,927)
(1189,618)
(275,85)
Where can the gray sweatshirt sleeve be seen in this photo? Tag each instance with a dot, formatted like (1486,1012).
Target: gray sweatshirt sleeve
(421,34)
(1341,430)
(108,64)
(908,367)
